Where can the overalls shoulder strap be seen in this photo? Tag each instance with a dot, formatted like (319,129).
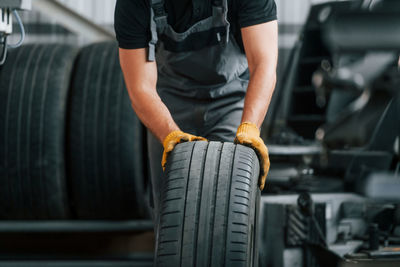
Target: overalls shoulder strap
(158,22)
(158,19)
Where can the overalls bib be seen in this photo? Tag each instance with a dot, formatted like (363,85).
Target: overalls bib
(202,79)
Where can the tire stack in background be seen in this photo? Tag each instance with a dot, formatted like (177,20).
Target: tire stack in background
(72,151)
(34,86)
(105,140)
(71,145)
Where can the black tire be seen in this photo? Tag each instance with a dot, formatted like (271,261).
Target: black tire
(106,141)
(33,94)
(209,206)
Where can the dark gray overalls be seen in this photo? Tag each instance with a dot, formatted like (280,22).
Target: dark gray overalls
(202,79)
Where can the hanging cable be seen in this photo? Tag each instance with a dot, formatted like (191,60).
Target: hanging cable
(22,30)
(4,52)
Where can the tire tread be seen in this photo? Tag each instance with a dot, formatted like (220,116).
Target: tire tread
(215,219)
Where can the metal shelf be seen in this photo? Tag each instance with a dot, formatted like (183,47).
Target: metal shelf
(75,226)
(78,263)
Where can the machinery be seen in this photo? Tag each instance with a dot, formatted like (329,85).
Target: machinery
(8,8)
(334,195)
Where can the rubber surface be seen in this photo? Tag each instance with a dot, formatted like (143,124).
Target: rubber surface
(33,94)
(106,145)
(209,207)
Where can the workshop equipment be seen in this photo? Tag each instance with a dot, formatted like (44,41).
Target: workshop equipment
(7,9)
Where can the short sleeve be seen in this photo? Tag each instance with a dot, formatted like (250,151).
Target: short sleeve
(253,12)
(132,23)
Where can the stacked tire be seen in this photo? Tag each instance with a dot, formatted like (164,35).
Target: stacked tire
(209,207)
(105,140)
(71,146)
(34,85)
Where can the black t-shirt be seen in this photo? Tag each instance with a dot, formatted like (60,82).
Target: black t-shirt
(132,17)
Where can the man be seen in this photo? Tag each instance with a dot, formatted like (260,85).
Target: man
(197,70)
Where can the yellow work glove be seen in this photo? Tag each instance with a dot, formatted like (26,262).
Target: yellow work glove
(249,135)
(174,138)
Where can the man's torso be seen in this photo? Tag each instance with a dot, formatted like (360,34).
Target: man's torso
(132,17)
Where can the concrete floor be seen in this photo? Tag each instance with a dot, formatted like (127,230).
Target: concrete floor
(76,245)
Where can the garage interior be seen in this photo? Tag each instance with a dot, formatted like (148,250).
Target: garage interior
(74,185)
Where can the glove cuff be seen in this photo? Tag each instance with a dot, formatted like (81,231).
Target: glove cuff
(172,135)
(248,128)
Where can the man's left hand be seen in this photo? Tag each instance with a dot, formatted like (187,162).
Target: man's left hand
(249,135)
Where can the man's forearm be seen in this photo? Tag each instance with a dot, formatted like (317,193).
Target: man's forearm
(261,47)
(259,94)
(152,112)
(141,80)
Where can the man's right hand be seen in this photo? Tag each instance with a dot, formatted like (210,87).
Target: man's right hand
(174,138)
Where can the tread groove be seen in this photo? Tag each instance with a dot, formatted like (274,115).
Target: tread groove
(103,148)
(243,204)
(96,123)
(41,127)
(214,199)
(245,177)
(29,115)
(199,200)
(239,232)
(173,188)
(174,179)
(238,242)
(245,163)
(168,241)
(171,199)
(243,182)
(19,135)
(83,116)
(6,126)
(19,125)
(169,226)
(227,201)
(248,199)
(184,205)
(170,212)
(240,189)
(241,212)
(245,170)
